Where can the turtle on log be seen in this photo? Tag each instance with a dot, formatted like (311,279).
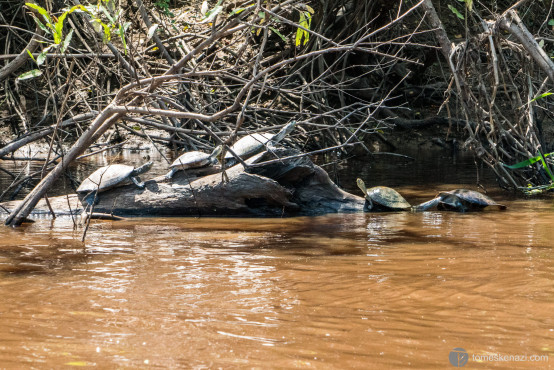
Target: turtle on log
(193,159)
(108,177)
(252,144)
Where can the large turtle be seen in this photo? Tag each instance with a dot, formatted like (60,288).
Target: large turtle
(251,144)
(460,200)
(382,199)
(194,159)
(108,177)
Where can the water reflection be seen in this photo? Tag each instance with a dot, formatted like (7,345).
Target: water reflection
(391,290)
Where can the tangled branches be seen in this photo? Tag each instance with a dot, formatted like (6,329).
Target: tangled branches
(500,75)
(233,70)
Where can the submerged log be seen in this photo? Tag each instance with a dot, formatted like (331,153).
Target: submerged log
(289,187)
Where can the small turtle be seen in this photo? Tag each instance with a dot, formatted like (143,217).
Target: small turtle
(382,199)
(111,176)
(460,200)
(251,144)
(194,159)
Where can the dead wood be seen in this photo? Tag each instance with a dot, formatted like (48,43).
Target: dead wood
(291,187)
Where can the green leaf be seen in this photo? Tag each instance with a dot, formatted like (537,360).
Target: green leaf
(41,58)
(211,14)
(274,30)
(121,33)
(299,31)
(41,25)
(455,11)
(541,96)
(31,55)
(61,19)
(551,22)
(66,41)
(310,9)
(469,4)
(527,162)
(240,10)
(42,12)
(31,74)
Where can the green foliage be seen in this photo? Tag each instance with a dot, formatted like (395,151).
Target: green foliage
(541,96)
(163,5)
(30,74)
(54,27)
(306,22)
(539,158)
(456,12)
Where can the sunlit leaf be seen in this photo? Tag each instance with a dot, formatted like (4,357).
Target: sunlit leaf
(31,55)
(455,11)
(299,31)
(210,15)
(41,25)
(41,58)
(122,37)
(541,96)
(42,12)
(310,9)
(528,162)
(151,31)
(31,74)
(66,41)
(469,4)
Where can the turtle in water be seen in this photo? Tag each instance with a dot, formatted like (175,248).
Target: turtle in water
(194,159)
(251,144)
(460,200)
(383,199)
(111,176)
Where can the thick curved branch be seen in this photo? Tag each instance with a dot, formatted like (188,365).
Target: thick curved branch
(23,57)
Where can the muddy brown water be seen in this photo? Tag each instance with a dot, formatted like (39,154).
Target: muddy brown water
(391,290)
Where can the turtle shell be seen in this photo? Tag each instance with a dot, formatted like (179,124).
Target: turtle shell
(105,178)
(191,160)
(466,200)
(388,198)
(249,145)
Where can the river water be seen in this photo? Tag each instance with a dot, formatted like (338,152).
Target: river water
(391,290)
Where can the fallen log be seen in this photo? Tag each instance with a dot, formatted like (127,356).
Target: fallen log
(292,187)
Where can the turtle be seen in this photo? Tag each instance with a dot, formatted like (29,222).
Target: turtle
(460,200)
(193,159)
(108,177)
(249,145)
(383,199)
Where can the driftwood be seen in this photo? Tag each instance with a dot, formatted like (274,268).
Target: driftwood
(290,187)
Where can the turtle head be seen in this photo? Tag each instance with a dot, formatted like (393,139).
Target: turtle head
(145,167)
(289,127)
(362,186)
(217,151)
(283,132)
